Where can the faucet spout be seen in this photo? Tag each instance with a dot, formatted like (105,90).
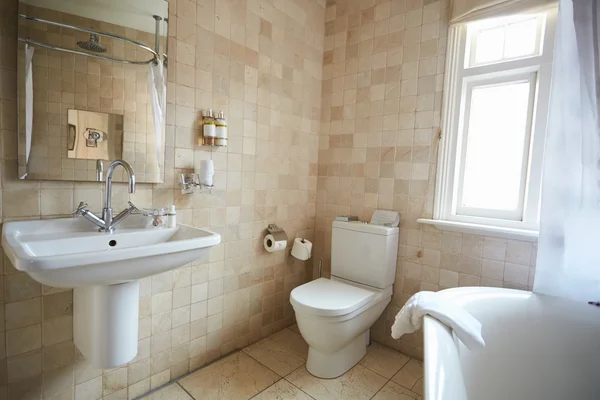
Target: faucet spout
(107,214)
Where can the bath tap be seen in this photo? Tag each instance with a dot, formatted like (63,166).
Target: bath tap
(108,223)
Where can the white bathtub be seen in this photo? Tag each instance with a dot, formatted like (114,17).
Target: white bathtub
(537,347)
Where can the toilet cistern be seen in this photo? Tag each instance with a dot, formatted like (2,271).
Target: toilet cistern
(108,223)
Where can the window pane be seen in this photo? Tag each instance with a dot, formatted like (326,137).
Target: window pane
(520,39)
(490,45)
(497,131)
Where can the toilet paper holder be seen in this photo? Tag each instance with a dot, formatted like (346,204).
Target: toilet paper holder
(274,229)
(191,181)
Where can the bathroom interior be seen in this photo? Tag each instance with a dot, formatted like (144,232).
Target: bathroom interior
(299,199)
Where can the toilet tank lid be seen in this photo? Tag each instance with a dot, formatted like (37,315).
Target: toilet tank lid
(325,297)
(366,228)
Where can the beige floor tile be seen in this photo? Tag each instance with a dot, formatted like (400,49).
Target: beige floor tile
(409,374)
(282,352)
(357,384)
(383,360)
(236,377)
(171,392)
(282,390)
(418,388)
(393,391)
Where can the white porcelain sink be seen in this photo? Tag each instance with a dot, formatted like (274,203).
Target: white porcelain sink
(104,270)
(70,252)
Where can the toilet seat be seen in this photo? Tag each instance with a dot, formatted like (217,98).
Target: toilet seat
(332,298)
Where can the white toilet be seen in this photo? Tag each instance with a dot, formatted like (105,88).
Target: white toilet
(335,315)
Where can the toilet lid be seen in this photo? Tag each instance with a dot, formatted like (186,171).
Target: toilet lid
(329,298)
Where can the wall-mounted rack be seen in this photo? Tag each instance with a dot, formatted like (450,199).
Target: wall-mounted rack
(191,182)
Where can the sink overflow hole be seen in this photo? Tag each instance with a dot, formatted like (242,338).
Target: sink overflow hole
(112,243)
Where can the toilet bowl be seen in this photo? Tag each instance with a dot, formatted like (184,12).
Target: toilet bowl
(334,317)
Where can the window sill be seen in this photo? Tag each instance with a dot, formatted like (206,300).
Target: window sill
(487,230)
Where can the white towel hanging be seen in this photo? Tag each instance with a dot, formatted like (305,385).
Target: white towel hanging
(410,317)
(28,101)
(158,90)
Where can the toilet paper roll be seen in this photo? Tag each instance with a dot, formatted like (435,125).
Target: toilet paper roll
(301,249)
(272,243)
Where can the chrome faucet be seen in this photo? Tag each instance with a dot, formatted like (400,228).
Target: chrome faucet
(108,223)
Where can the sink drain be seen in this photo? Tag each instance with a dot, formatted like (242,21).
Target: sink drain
(112,243)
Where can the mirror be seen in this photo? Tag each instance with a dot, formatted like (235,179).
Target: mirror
(92,86)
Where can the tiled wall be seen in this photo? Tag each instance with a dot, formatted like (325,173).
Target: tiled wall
(65,81)
(261,62)
(372,145)
(382,97)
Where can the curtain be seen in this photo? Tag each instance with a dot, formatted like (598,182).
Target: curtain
(158,91)
(568,263)
(28,99)
(471,10)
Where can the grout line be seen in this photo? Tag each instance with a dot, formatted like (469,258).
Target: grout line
(176,380)
(265,365)
(219,359)
(265,388)
(379,390)
(278,380)
(182,388)
(300,389)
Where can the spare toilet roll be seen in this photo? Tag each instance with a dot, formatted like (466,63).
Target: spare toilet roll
(301,249)
(275,242)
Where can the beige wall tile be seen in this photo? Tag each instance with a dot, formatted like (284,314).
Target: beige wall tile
(165,309)
(23,340)
(403,52)
(23,313)
(310,138)
(90,390)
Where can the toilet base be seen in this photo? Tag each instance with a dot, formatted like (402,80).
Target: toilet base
(332,365)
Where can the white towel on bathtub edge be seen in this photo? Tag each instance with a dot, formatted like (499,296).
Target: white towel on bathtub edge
(410,318)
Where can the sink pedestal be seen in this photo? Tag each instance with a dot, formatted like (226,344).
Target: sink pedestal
(105,270)
(105,323)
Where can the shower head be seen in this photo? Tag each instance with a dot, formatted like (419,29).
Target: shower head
(93,44)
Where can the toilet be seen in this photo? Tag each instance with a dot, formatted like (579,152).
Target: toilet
(334,315)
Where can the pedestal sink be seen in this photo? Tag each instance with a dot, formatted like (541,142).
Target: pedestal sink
(104,271)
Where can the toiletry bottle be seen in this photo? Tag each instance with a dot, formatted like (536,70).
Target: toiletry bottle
(208,128)
(171,217)
(221,129)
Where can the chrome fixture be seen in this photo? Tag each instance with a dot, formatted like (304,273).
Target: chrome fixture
(91,44)
(157,20)
(108,223)
(155,213)
(99,170)
(191,181)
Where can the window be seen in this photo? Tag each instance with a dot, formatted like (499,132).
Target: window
(496,106)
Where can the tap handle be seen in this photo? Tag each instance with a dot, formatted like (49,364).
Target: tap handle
(80,208)
(133,208)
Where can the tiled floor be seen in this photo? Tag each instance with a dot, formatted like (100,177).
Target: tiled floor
(274,368)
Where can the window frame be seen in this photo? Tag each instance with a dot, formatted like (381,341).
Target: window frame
(454,111)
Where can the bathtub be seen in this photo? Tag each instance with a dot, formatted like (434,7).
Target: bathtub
(537,347)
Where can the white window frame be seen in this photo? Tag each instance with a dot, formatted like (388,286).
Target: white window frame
(460,78)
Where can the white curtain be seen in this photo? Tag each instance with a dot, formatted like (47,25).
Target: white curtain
(158,92)
(28,99)
(568,263)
